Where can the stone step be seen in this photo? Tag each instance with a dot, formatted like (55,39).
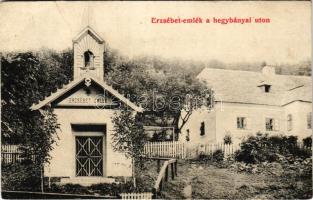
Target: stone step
(86,181)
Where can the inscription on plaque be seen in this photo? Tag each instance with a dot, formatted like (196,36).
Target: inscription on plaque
(79,100)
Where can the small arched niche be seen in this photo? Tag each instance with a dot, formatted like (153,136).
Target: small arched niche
(88,60)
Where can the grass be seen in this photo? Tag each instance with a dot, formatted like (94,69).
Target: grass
(201,181)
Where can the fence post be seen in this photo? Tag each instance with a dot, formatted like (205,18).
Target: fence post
(172,170)
(175,166)
(166,174)
(154,193)
(158,165)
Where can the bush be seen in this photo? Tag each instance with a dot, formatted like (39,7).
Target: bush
(218,155)
(111,189)
(21,176)
(261,148)
(228,139)
(307,142)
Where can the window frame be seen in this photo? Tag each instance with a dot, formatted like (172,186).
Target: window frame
(267,88)
(187,135)
(309,120)
(202,129)
(274,124)
(242,123)
(289,122)
(88,63)
(271,121)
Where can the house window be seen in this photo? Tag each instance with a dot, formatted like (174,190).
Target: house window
(267,88)
(241,123)
(202,129)
(271,124)
(187,135)
(289,122)
(88,60)
(309,120)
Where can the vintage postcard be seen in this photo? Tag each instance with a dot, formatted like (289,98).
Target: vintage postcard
(156,100)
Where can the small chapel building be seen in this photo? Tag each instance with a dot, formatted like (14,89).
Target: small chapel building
(84,108)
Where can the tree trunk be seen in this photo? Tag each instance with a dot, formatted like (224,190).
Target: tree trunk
(41,177)
(134,173)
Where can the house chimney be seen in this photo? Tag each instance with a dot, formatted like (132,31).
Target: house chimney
(268,70)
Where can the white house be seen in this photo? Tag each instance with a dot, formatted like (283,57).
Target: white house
(249,102)
(83,153)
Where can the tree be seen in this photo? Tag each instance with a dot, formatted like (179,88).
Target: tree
(168,92)
(23,83)
(128,136)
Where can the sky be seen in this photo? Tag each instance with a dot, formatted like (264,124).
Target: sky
(127,27)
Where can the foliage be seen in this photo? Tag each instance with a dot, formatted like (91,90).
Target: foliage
(25,81)
(228,139)
(105,189)
(68,189)
(292,177)
(22,177)
(307,142)
(128,135)
(39,135)
(261,148)
(162,135)
(218,155)
(161,89)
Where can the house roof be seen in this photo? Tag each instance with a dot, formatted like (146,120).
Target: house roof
(246,87)
(91,32)
(74,83)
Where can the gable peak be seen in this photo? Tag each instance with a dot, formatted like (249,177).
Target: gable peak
(88,30)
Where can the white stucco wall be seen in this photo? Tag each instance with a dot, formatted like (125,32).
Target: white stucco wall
(194,123)
(223,120)
(226,120)
(63,154)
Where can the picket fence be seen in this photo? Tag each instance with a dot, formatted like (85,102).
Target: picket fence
(10,154)
(172,149)
(209,149)
(176,149)
(144,195)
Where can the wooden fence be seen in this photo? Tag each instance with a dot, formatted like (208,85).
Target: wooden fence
(10,154)
(163,175)
(209,149)
(176,149)
(144,195)
(171,149)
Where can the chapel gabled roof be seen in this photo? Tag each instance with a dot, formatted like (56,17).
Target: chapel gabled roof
(77,81)
(243,87)
(91,32)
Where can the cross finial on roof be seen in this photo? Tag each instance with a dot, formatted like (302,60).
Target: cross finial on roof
(87,17)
